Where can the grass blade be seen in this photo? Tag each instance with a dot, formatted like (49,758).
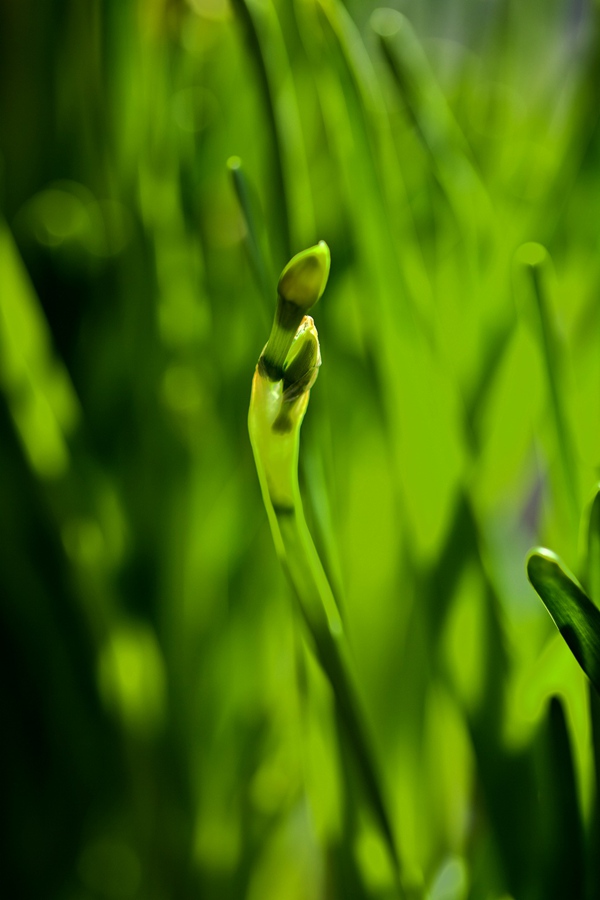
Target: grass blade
(430,112)
(256,242)
(576,617)
(563,855)
(593,556)
(291,176)
(593,874)
(535,259)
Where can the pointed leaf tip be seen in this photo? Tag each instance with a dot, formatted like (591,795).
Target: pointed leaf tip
(576,617)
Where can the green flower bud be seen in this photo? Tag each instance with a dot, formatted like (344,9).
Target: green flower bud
(300,373)
(301,284)
(303,361)
(303,280)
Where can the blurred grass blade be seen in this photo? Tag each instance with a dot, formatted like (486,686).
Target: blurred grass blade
(593,584)
(428,446)
(593,871)
(255,231)
(498,344)
(277,174)
(430,112)
(376,188)
(593,556)
(563,852)
(293,187)
(41,397)
(576,617)
(535,258)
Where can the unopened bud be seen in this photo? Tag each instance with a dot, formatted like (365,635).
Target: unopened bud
(303,280)
(301,284)
(305,357)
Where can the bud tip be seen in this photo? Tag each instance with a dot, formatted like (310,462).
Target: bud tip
(303,280)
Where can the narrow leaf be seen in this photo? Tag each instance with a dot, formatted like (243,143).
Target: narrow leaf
(592,870)
(576,617)
(256,242)
(562,866)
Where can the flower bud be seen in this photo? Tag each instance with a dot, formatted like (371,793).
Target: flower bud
(304,360)
(303,280)
(301,284)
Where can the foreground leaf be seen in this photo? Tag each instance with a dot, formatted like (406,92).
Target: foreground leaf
(576,617)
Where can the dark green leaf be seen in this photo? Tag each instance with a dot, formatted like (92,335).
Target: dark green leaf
(576,617)
(593,560)
(563,859)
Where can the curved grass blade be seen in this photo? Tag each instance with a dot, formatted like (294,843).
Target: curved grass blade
(576,617)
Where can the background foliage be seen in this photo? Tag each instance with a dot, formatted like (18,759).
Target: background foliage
(166,733)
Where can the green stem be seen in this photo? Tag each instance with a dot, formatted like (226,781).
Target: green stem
(277,408)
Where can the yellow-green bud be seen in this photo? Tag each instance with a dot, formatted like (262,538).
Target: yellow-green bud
(303,280)
(301,284)
(303,363)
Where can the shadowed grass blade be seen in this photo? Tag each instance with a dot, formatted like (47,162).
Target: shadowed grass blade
(255,231)
(563,863)
(593,557)
(277,83)
(593,584)
(593,873)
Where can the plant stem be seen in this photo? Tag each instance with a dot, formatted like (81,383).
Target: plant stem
(277,408)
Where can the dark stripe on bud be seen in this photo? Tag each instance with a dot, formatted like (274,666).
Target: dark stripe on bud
(283,423)
(283,510)
(268,370)
(305,359)
(287,315)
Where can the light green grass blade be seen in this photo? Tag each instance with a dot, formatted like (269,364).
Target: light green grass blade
(576,617)
(428,108)
(536,261)
(40,394)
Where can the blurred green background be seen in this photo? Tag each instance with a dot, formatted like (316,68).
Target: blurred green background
(166,732)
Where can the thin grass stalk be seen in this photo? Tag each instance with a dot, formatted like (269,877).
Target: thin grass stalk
(535,258)
(255,238)
(291,176)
